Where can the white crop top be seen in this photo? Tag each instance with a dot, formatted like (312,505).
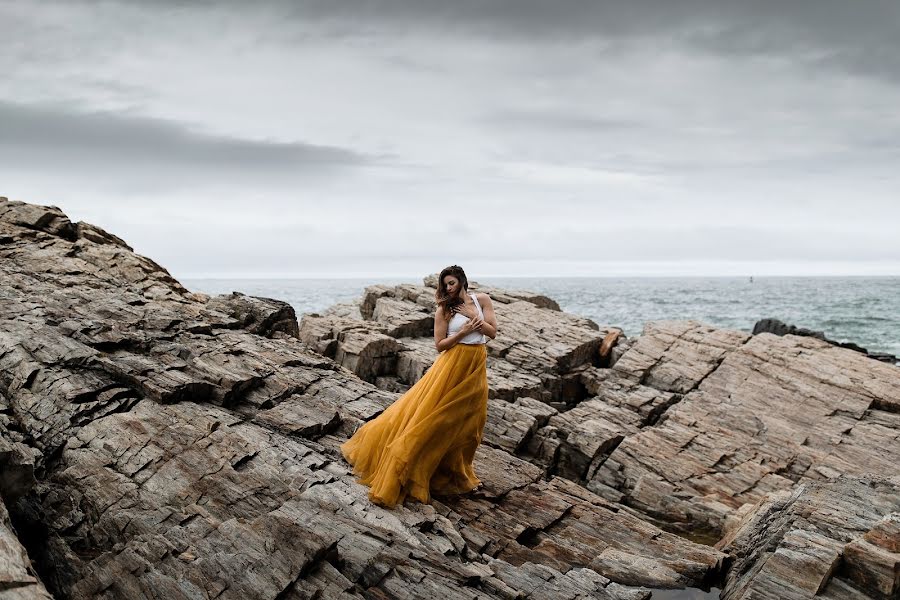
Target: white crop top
(458,320)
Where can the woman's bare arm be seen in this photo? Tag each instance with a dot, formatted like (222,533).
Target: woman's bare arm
(489,325)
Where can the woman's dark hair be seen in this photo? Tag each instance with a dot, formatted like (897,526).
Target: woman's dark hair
(445,300)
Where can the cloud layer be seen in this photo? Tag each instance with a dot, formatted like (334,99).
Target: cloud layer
(390,138)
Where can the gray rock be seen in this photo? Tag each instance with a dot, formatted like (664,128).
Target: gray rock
(262,316)
(836,539)
(18,580)
(160,443)
(187,447)
(777,327)
(751,416)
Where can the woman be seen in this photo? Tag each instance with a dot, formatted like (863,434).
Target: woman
(424,443)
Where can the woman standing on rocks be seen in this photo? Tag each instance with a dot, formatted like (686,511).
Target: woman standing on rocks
(424,443)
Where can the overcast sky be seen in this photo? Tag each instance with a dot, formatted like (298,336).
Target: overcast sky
(514,137)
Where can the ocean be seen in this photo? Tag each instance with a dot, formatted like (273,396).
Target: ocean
(863,310)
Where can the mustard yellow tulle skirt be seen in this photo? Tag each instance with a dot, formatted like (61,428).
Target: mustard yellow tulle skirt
(424,443)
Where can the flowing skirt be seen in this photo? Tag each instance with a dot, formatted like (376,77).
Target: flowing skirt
(425,441)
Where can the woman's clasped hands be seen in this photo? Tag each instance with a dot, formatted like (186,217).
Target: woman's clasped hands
(473,324)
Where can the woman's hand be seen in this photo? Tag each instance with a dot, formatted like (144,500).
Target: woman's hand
(472,325)
(465,311)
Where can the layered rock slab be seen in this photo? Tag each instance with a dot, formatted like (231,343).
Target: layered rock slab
(179,455)
(835,539)
(538,347)
(753,416)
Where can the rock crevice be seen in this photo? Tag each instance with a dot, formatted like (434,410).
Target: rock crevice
(160,443)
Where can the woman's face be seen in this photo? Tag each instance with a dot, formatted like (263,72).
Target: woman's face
(452,285)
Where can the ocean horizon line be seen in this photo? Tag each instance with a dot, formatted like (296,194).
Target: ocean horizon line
(419,278)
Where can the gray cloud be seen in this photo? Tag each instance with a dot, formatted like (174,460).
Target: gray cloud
(564,122)
(216,135)
(48,133)
(861,36)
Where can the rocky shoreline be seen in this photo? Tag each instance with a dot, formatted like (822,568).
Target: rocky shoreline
(160,443)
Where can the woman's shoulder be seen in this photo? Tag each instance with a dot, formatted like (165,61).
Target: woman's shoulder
(482,296)
(440,314)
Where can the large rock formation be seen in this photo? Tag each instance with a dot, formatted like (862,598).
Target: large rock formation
(753,415)
(160,443)
(691,422)
(690,427)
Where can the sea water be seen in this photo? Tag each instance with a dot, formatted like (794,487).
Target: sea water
(863,310)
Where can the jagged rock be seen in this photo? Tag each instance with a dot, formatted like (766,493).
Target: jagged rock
(691,425)
(346,310)
(593,429)
(510,383)
(539,347)
(836,539)
(421,297)
(18,580)
(262,316)
(562,525)
(49,219)
(507,296)
(539,340)
(617,351)
(621,391)
(321,332)
(363,347)
(757,415)
(780,328)
(368,354)
(400,321)
(416,357)
(504,296)
(777,327)
(675,356)
(16,466)
(95,234)
(507,427)
(178,453)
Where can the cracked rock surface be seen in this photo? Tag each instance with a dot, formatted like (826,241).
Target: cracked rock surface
(688,428)
(751,416)
(835,540)
(163,444)
(158,443)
